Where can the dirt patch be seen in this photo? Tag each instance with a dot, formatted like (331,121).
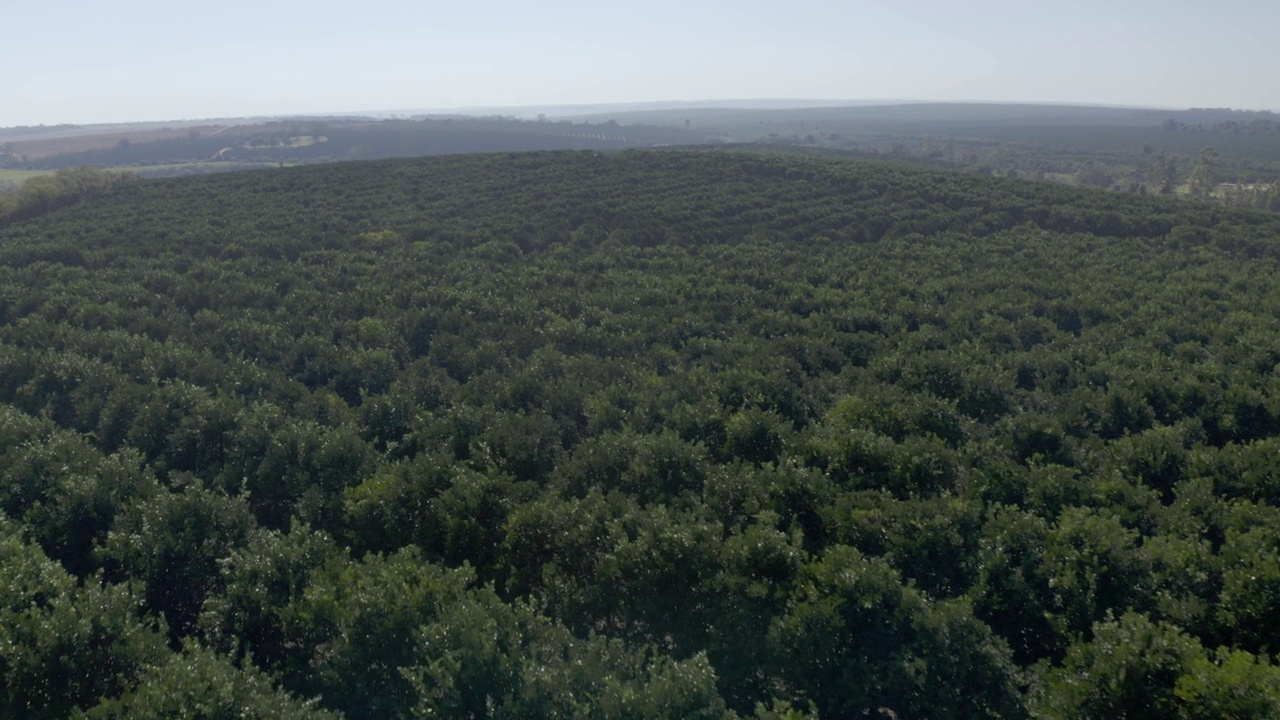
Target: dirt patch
(50,146)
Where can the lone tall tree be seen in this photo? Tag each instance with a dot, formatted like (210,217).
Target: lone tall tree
(1165,168)
(1204,178)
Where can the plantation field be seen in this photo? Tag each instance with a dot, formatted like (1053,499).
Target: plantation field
(642,433)
(17,177)
(191,167)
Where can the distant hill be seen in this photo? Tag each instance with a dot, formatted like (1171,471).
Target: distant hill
(1209,154)
(166,150)
(925,115)
(604,109)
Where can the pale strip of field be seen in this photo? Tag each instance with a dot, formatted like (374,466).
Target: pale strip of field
(13,178)
(46,147)
(293,142)
(17,177)
(211,164)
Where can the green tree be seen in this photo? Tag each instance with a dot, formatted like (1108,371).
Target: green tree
(1166,170)
(482,659)
(1129,670)
(354,629)
(172,544)
(248,618)
(854,640)
(1134,668)
(1204,177)
(1251,588)
(201,685)
(63,645)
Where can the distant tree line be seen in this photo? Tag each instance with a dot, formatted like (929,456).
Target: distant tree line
(44,194)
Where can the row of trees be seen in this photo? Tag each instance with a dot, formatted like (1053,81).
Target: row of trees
(647,434)
(44,194)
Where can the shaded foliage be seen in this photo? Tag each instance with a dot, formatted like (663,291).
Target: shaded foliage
(644,434)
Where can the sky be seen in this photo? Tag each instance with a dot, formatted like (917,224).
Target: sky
(76,61)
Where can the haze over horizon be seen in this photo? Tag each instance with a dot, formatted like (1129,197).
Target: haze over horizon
(140,60)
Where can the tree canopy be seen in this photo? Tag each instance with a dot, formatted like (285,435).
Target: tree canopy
(641,434)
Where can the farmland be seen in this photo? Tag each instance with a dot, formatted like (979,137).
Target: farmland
(646,433)
(1216,155)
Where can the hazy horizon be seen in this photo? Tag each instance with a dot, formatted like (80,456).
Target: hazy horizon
(139,60)
(583,110)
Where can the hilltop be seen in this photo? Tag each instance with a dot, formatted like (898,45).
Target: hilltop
(1231,156)
(187,148)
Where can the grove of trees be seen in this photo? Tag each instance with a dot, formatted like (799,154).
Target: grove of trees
(643,434)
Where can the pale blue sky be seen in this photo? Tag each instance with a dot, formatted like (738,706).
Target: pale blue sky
(79,61)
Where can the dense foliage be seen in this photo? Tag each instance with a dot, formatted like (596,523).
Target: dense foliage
(41,195)
(650,434)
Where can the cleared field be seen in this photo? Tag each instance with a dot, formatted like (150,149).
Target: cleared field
(46,147)
(11,179)
(211,165)
(293,142)
(17,177)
